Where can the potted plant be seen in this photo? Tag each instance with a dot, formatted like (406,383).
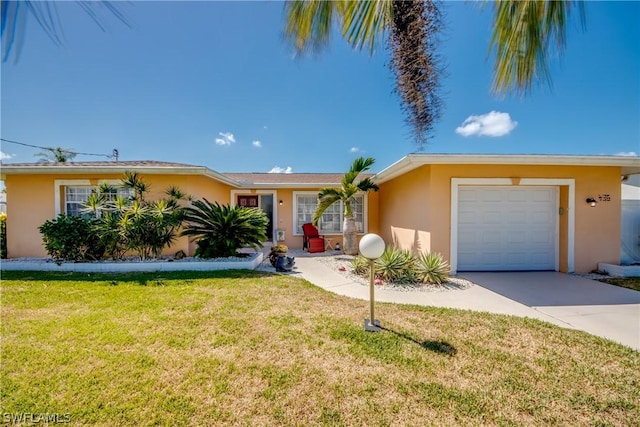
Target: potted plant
(277,251)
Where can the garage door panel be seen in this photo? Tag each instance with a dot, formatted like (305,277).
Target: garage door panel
(515,196)
(491,196)
(492,218)
(505,228)
(516,217)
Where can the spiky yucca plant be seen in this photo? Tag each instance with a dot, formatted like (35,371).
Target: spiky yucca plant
(431,268)
(360,265)
(220,230)
(395,265)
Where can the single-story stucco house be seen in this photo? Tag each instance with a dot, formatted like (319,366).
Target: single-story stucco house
(482,212)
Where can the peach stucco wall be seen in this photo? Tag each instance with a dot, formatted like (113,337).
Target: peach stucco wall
(32,202)
(285,215)
(415,208)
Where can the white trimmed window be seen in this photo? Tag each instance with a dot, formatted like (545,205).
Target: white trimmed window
(74,199)
(305,204)
(76,196)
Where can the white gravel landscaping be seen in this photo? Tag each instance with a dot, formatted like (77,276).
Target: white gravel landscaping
(336,259)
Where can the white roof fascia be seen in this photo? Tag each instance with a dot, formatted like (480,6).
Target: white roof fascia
(628,164)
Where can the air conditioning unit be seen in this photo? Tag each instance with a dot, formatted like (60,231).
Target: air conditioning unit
(280,235)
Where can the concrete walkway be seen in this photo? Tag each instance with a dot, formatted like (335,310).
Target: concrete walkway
(564,300)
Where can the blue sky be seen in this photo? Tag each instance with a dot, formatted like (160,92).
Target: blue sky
(214,84)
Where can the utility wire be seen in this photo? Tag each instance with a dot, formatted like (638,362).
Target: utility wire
(108,156)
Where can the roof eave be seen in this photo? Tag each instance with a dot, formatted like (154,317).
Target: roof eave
(628,165)
(150,170)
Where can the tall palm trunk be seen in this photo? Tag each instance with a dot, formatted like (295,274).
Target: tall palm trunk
(349,236)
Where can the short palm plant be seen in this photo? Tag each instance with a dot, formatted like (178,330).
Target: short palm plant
(133,223)
(346,194)
(220,230)
(431,268)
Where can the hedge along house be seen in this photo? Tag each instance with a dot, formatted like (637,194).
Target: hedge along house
(42,191)
(482,212)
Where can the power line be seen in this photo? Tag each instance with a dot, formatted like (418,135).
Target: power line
(108,156)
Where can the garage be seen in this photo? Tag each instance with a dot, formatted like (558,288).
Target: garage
(512,228)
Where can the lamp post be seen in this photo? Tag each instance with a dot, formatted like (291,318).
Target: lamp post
(371,247)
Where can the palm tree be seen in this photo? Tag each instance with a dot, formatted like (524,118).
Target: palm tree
(346,194)
(524,35)
(14,17)
(56,155)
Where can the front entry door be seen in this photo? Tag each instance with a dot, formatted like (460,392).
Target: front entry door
(266,204)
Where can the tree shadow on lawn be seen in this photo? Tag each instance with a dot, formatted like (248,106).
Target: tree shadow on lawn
(157,278)
(441,347)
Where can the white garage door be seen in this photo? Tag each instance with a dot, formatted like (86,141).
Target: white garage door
(507,228)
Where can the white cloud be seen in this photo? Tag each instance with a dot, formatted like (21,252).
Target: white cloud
(278,169)
(354,150)
(226,138)
(5,156)
(494,123)
(627,153)
(257,144)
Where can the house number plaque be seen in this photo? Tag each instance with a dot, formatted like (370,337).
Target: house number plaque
(604,197)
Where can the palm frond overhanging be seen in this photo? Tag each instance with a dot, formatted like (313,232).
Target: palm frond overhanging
(525,35)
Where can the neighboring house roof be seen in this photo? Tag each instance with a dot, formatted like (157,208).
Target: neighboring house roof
(631,188)
(629,165)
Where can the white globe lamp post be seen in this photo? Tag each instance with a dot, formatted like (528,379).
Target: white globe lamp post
(371,247)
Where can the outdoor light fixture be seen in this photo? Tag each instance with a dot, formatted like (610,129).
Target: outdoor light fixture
(280,202)
(592,202)
(371,247)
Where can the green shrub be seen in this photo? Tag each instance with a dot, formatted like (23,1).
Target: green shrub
(395,266)
(431,268)
(134,223)
(221,230)
(360,265)
(3,235)
(71,238)
(109,231)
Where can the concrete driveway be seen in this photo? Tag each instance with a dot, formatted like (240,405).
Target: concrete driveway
(595,307)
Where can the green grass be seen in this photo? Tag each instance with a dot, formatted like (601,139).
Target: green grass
(244,348)
(624,282)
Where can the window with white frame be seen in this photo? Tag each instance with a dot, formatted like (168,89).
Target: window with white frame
(74,199)
(305,204)
(76,196)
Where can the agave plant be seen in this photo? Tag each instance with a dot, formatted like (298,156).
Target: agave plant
(395,265)
(220,230)
(431,268)
(360,265)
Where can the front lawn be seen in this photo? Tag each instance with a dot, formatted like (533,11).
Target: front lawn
(244,348)
(624,282)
